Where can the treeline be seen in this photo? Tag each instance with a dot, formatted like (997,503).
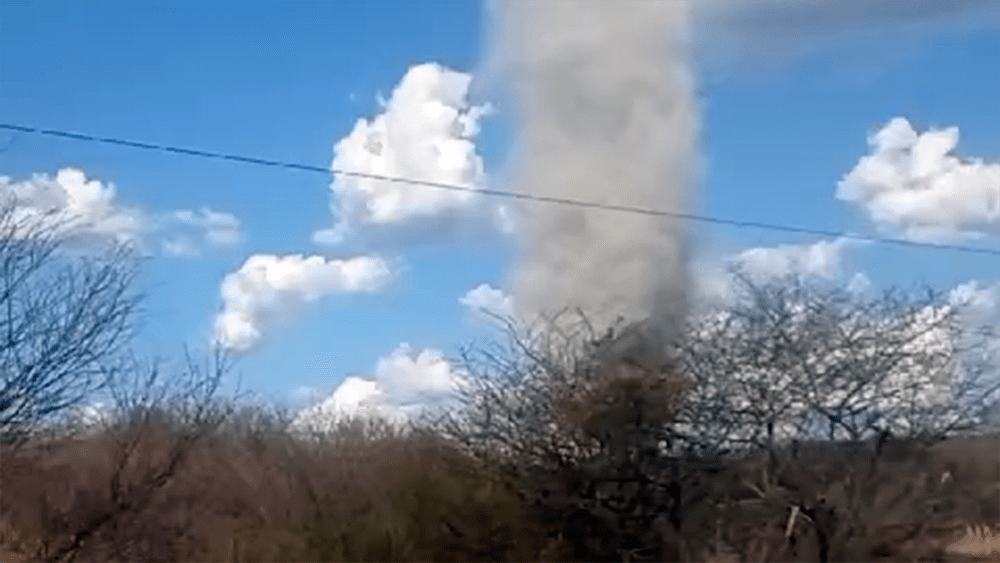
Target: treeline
(570,443)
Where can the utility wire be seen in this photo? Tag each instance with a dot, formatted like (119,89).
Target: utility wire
(497,193)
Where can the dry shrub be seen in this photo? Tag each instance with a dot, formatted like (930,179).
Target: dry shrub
(432,503)
(161,493)
(150,493)
(890,501)
(769,542)
(622,407)
(628,500)
(156,495)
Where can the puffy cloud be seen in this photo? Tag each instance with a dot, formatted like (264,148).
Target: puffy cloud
(979,306)
(823,259)
(405,383)
(354,397)
(976,296)
(88,212)
(485,300)
(912,184)
(190,232)
(426,133)
(859,283)
(413,378)
(81,208)
(267,285)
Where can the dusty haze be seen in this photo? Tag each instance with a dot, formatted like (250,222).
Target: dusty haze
(606,112)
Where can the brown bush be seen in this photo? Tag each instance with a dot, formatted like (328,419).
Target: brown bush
(169,492)
(156,494)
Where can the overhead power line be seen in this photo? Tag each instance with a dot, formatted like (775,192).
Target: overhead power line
(496,193)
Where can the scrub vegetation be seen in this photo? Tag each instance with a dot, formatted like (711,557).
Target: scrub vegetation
(781,429)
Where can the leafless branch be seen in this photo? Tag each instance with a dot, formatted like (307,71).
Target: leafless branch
(62,318)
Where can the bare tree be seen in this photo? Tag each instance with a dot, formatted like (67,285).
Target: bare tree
(509,388)
(791,358)
(62,317)
(798,358)
(140,396)
(173,415)
(551,391)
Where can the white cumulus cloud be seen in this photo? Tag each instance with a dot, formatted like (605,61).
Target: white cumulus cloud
(911,183)
(427,133)
(978,303)
(404,384)
(413,378)
(88,212)
(823,259)
(81,207)
(354,397)
(484,300)
(267,285)
(188,232)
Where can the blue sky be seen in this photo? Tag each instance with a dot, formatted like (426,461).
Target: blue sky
(288,80)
